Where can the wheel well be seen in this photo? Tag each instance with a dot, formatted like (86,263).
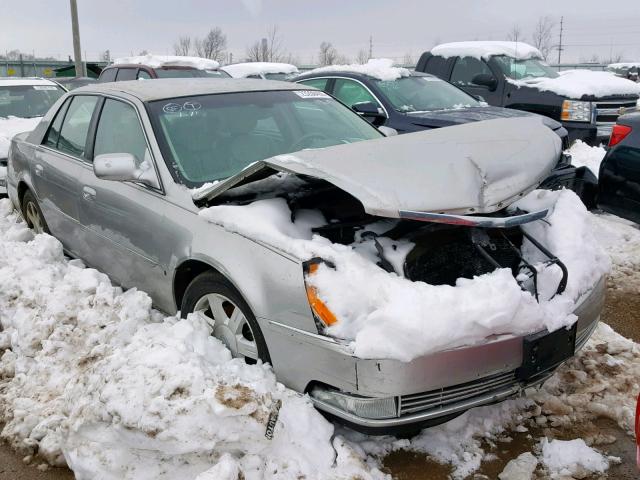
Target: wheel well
(22,188)
(185,273)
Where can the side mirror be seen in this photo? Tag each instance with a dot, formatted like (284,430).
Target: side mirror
(485,80)
(122,167)
(368,109)
(388,131)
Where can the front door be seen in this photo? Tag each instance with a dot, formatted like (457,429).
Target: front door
(463,73)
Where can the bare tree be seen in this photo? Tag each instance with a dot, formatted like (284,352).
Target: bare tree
(542,35)
(515,34)
(182,46)
(268,49)
(328,55)
(143,52)
(362,56)
(213,45)
(105,56)
(408,60)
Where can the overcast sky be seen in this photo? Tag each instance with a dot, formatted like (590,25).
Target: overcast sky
(398,27)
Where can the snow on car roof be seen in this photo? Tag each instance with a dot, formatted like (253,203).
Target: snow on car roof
(624,65)
(380,68)
(486,49)
(243,70)
(9,81)
(157,61)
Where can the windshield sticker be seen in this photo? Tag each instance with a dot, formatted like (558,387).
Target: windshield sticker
(311,94)
(191,106)
(188,107)
(45,87)
(172,108)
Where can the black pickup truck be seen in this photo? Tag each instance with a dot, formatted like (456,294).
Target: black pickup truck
(503,77)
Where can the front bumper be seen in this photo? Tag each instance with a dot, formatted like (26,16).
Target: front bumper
(426,391)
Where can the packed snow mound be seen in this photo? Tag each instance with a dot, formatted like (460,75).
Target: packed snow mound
(11,126)
(244,70)
(571,457)
(157,61)
(380,68)
(485,49)
(583,155)
(582,83)
(385,315)
(93,376)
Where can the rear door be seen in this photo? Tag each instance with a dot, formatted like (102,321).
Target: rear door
(60,162)
(462,75)
(619,179)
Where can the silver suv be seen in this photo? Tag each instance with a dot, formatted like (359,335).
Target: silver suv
(120,172)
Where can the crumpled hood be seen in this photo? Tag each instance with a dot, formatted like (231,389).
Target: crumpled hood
(478,167)
(445,118)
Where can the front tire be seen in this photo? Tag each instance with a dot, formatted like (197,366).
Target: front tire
(214,299)
(32,214)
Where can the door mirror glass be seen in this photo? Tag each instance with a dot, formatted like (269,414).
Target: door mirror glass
(485,80)
(122,167)
(368,109)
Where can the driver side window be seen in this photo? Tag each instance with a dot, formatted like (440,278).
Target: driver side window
(119,131)
(466,68)
(350,92)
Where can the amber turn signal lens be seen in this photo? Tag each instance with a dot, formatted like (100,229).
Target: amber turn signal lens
(318,306)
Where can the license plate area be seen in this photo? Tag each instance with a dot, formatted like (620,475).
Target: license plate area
(542,351)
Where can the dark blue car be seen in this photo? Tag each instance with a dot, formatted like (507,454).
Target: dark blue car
(410,103)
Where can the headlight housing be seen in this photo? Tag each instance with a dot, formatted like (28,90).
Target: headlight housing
(576,111)
(323,315)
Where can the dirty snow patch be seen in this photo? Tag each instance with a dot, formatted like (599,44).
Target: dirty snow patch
(520,468)
(571,457)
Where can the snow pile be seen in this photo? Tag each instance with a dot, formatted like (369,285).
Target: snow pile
(580,83)
(520,468)
(384,315)
(583,155)
(486,49)
(157,61)
(243,70)
(94,376)
(380,68)
(11,126)
(571,457)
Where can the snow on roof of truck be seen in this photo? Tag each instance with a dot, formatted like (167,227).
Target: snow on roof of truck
(486,49)
(158,61)
(380,68)
(243,70)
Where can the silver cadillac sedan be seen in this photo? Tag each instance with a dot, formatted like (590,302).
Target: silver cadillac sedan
(119,173)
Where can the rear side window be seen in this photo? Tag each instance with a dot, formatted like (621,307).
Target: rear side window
(108,75)
(466,68)
(320,83)
(54,130)
(119,131)
(126,74)
(73,134)
(143,75)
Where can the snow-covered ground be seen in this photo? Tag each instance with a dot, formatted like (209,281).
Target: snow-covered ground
(94,377)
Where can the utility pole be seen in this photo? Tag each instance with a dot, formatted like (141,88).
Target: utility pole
(77,57)
(560,42)
(370,46)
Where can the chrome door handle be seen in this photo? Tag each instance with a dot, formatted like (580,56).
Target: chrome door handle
(88,193)
(39,169)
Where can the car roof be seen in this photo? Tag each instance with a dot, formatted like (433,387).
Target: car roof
(350,74)
(149,90)
(10,81)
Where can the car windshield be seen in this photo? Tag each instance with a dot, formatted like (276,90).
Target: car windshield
(217,74)
(521,69)
(212,137)
(420,94)
(28,100)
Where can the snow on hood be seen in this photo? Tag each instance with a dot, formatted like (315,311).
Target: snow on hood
(380,68)
(582,83)
(157,61)
(473,168)
(11,126)
(243,70)
(486,49)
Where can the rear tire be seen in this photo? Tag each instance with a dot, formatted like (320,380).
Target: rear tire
(219,303)
(32,214)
